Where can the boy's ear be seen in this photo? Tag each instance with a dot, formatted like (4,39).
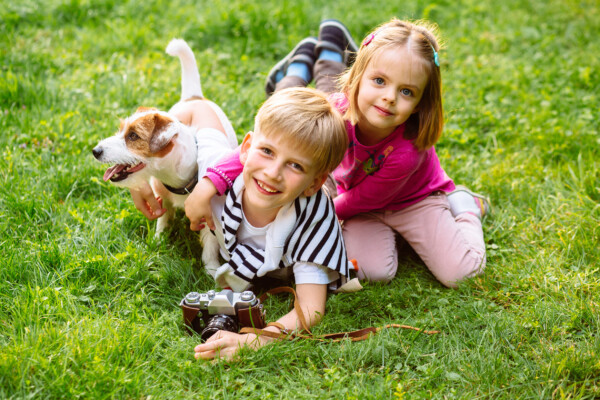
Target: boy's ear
(316,184)
(245,147)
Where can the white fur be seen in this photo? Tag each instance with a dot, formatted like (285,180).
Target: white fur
(178,167)
(190,78)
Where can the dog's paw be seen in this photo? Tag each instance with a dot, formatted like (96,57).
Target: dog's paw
(211,269)
(210,251)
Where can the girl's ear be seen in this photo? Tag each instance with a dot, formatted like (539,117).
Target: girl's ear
(245,147)
(316,184)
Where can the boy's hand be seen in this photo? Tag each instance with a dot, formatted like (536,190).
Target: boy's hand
(144,200)
(224,344)
(197,205)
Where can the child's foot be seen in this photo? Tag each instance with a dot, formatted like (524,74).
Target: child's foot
(334,36)
(303,53)
(463,200)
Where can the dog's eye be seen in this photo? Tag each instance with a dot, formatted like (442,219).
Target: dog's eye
(133,136)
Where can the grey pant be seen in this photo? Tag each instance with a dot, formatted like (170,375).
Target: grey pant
(325,73)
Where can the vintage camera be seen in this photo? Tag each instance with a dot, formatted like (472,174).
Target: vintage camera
(206,313)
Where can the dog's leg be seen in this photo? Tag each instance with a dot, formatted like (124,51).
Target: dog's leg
(210,251)
(163,222)
(161,191)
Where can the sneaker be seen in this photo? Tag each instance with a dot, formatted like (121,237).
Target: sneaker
(303,52)
(460,203)
(334,36)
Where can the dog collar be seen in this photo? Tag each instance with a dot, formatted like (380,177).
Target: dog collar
(187,189)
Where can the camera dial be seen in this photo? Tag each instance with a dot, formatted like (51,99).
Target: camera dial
(192,298)
(247,296)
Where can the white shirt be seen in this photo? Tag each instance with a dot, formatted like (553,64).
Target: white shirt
(303,272)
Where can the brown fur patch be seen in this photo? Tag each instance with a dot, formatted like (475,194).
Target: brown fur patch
(142,136)
(165,150)
(158,142)
(142,109)
(195,98)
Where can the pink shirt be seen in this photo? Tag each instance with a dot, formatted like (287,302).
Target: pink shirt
(390,175)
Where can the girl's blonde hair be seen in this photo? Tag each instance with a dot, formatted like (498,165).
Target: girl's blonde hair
(307,120)
(425,126)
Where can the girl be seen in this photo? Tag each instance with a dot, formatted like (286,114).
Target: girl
(390,180)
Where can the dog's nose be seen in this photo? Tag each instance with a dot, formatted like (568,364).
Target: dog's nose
(97,151)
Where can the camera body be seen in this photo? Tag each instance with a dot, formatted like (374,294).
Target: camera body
(206,313)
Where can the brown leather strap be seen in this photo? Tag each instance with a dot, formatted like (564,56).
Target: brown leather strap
(354,336)
(287,289)
(279,326)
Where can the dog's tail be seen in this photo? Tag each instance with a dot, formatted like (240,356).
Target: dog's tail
(190,77)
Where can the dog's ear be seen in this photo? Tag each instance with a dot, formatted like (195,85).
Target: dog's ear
(162,133)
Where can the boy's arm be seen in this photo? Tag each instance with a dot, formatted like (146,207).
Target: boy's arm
(311,298)
(216,181)
(197,205)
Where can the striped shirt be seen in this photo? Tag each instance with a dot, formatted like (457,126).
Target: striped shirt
(306,230)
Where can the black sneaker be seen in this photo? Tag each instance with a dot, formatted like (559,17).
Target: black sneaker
(334,36)
(303,52)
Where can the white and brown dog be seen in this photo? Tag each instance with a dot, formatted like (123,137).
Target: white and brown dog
(152,145)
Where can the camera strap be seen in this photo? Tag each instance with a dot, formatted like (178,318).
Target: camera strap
(357,335)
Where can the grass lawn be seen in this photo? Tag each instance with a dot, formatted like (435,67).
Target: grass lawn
(89,298)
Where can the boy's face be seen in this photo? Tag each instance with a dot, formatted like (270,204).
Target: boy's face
(275,174)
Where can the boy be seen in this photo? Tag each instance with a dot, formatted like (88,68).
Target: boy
(276,219)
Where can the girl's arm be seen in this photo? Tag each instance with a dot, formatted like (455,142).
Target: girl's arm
(146,203)
(311,298)
(225,171)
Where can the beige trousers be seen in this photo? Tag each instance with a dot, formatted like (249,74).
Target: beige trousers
(452,248)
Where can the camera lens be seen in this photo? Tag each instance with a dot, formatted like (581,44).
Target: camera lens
(219,322)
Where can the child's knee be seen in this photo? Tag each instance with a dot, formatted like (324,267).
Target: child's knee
(378,270)
(373,245)
(452,274)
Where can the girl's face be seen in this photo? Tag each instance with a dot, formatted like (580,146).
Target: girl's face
(389,92)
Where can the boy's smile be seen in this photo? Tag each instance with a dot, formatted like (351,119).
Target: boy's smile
(390,91)
(275,174)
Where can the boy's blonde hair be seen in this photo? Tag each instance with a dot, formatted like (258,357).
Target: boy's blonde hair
(305,117)
(419,37)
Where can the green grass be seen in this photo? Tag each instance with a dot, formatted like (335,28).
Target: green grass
(88,297)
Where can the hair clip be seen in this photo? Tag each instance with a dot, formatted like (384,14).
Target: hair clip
(436,59)
(368,39)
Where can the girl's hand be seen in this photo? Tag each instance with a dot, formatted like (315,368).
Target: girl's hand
(224,344)
(197,205)
(144,201)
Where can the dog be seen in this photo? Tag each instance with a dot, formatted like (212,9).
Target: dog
(152,145)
